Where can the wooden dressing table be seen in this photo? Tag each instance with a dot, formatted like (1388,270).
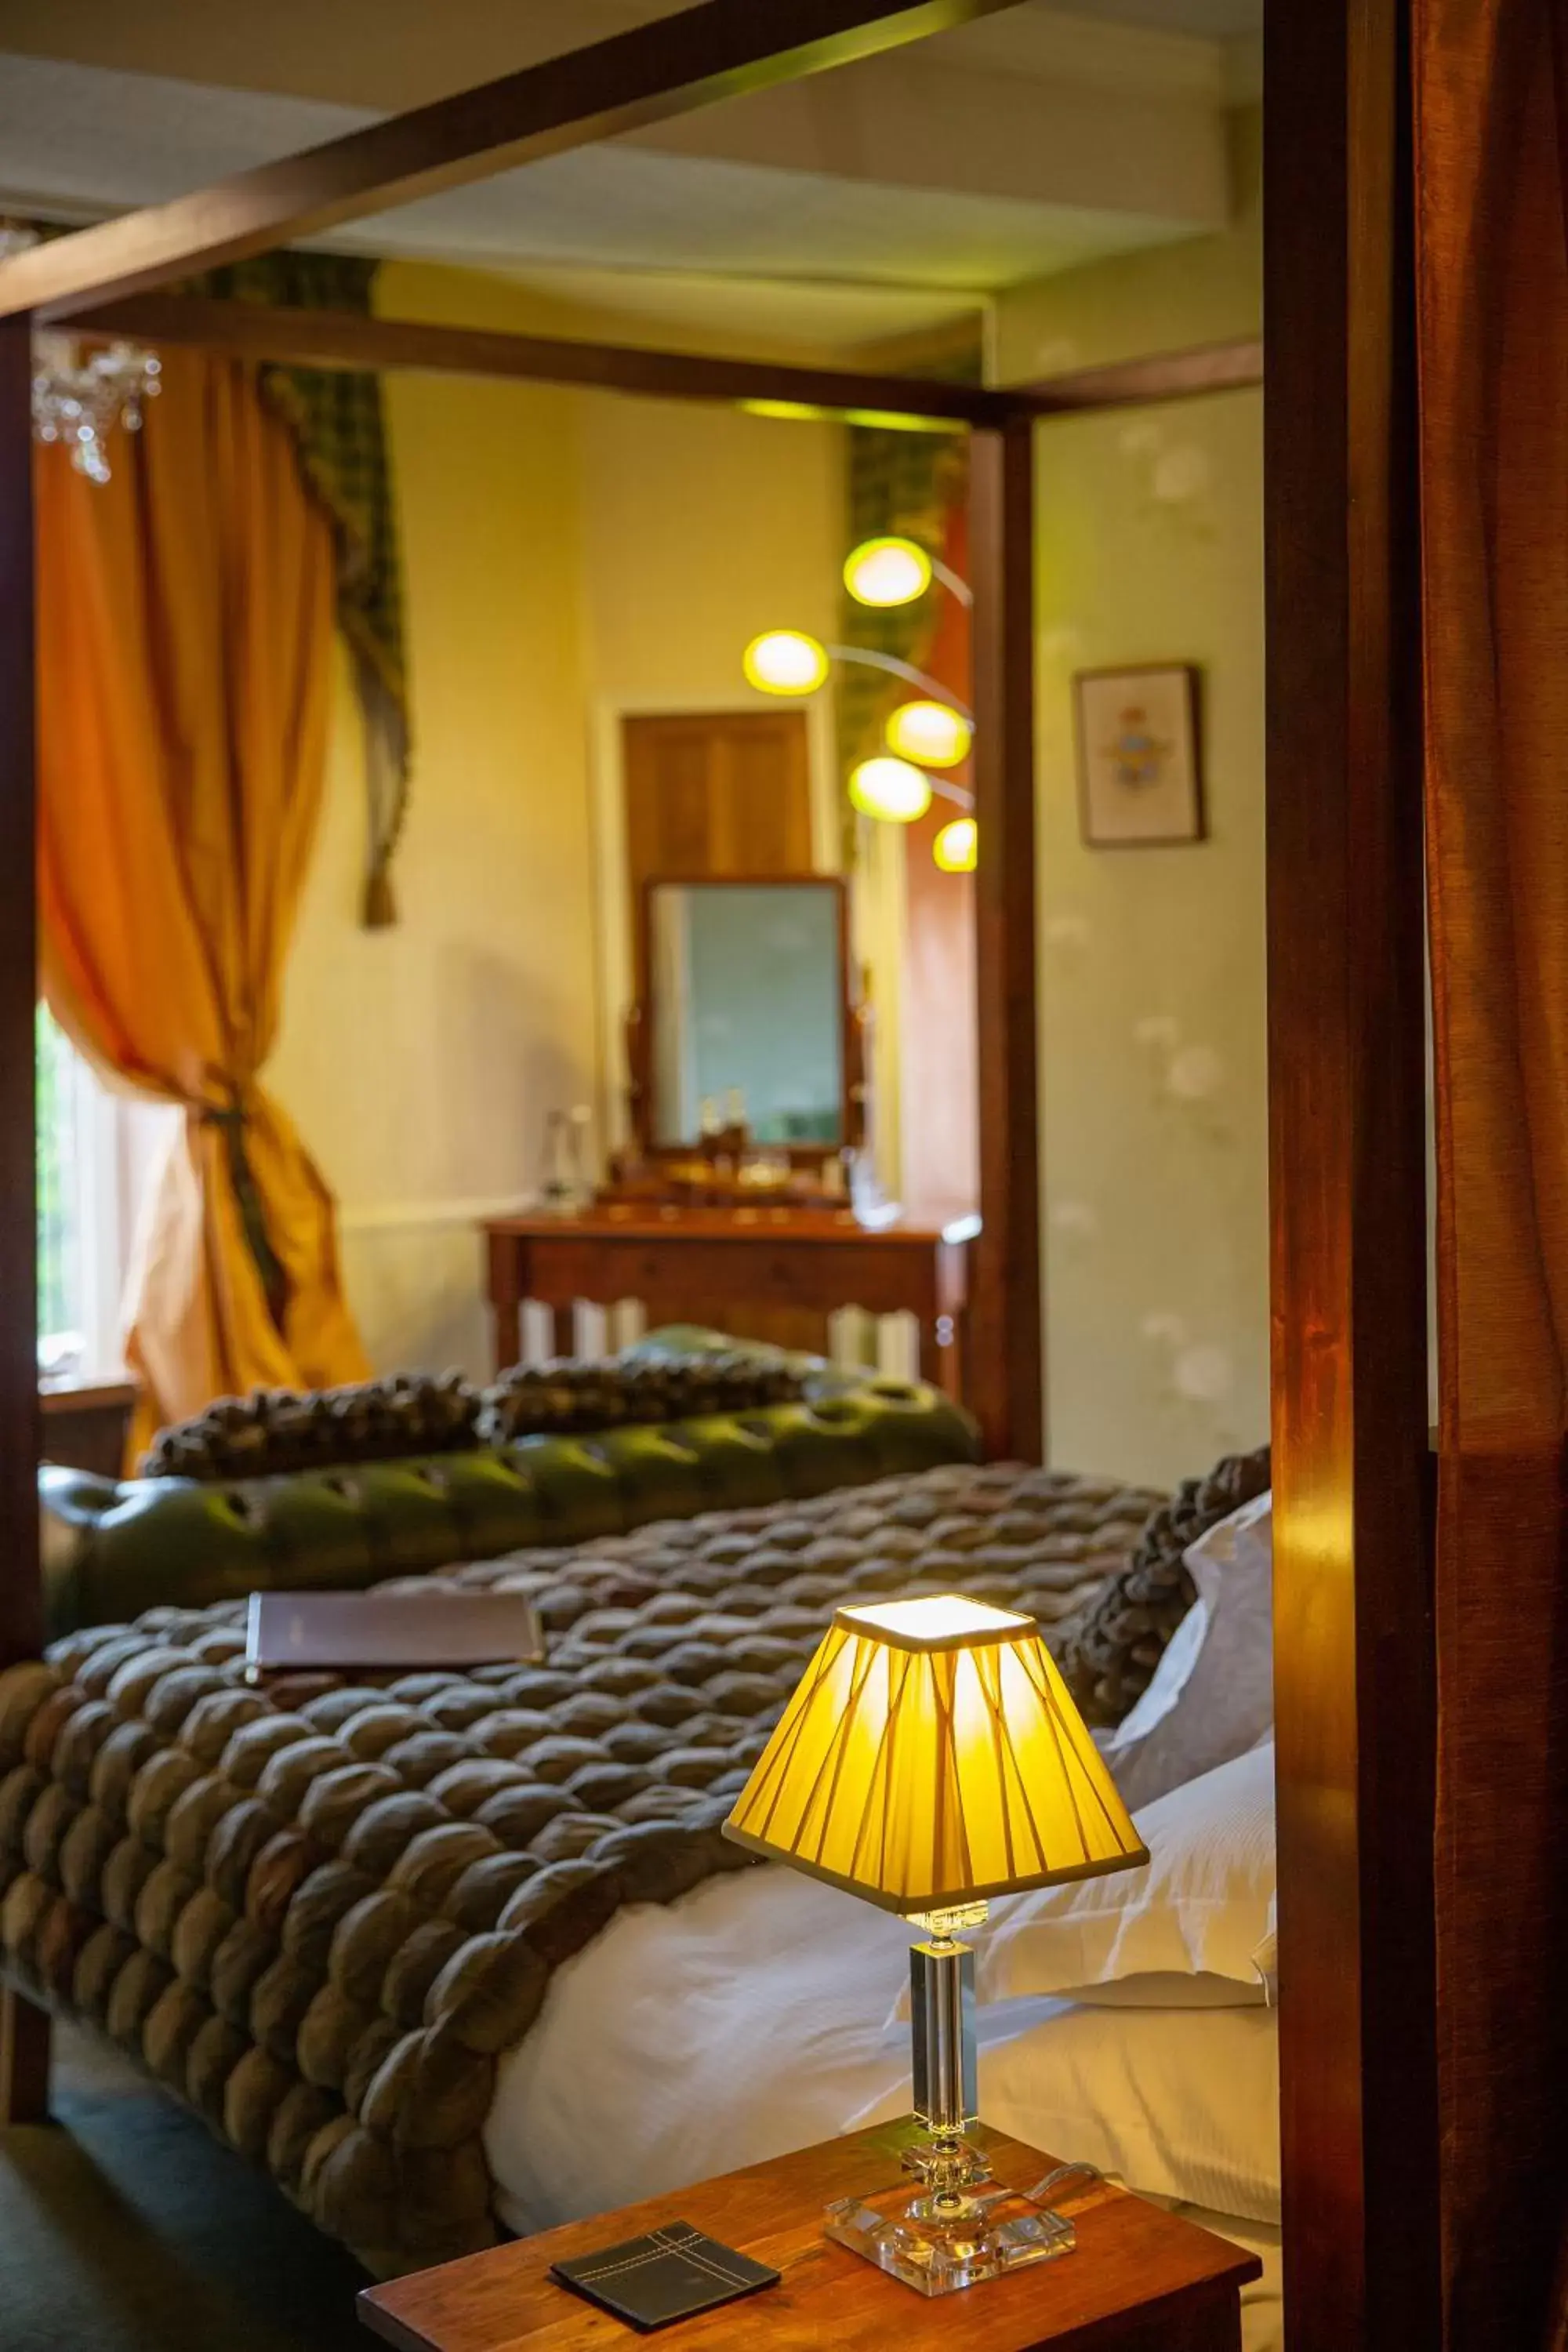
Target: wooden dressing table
(763,1273)
(748,1007)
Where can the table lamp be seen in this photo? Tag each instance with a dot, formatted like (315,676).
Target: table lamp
(932,1758)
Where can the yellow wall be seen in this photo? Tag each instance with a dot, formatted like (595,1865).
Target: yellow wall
(702,527)
(564,554)
(1151,960)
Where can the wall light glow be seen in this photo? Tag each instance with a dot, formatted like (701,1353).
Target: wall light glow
(784,661)
(955,845)
(889,789)
(930,733)
(887,571)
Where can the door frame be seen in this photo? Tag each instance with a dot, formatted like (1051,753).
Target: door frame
(613,971)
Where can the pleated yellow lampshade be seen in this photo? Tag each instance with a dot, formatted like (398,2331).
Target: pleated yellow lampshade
(933,1757)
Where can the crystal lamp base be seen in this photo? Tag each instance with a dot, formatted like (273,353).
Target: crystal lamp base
(958,2230)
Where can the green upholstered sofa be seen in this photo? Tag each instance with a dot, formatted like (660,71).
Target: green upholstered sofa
(112,1548)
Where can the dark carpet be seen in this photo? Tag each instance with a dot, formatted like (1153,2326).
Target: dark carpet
(124,2227)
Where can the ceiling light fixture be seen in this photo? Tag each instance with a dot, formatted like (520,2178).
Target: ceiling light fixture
(79,395)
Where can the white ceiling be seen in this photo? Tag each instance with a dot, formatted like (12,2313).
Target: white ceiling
(868,200)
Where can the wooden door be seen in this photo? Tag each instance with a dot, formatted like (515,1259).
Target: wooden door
(717,791)
(721,793)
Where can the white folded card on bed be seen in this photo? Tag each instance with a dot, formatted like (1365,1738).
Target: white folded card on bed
(287,1633)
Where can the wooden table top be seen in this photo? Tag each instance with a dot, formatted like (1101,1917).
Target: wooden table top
(82,1393)
(737,1224)
(1131,2258)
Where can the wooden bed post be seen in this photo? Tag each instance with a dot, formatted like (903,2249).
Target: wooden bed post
(1006,1374)
(1353,1536)
(21,1611)
(24,2028)
(24,2059)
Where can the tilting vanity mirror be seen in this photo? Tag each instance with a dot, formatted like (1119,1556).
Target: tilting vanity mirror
(745,1049)
(746,1007)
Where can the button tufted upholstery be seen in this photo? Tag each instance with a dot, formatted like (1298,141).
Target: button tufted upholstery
(113,1550)
(322,1912)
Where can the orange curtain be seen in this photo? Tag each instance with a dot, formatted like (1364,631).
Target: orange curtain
(1493,330)
(184,665)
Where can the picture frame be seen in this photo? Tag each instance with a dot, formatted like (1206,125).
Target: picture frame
(1140,756)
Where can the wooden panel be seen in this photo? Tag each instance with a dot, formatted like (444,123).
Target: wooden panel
(693,58)
(21,1612)
(765,783)
(716,793)
(1007,1380)
(87,1424)
(1141,2281)
(938,1030)
(1352,1530)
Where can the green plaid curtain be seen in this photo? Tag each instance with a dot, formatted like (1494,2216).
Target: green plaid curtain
(338,420)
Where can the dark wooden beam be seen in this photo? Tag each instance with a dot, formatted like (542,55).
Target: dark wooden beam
(719,49)
(338,338)
(1165,376)
(1353,1533)
(343,339)
(1006,1307)
(21,1606)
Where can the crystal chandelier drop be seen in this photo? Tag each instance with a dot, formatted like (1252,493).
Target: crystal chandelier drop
(79,394)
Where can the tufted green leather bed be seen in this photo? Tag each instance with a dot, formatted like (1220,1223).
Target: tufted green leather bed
(112,1548)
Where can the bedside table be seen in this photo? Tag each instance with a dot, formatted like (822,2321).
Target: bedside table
(1140,2280)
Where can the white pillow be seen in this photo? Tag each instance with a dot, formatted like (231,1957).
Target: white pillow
(1181,2104)
(1200,1909)
(1266,1958)
(1212,1694)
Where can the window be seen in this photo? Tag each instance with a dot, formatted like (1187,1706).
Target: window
(99,1155)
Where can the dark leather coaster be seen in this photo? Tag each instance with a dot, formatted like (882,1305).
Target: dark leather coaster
(669,2274)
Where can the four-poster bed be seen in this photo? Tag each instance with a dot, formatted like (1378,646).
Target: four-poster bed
(1352,1557)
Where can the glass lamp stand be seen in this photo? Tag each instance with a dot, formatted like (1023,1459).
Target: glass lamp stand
(960,2227)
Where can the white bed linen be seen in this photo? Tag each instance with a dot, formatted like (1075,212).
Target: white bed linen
(752,2017)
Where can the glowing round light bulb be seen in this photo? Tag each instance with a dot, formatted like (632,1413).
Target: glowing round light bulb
(887,571)
(954,847)
(784,661)
(930,733)
(889,789)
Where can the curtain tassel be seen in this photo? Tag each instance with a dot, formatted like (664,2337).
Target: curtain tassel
(275,1286)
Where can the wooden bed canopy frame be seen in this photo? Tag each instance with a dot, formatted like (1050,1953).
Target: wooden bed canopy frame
(1352,1521)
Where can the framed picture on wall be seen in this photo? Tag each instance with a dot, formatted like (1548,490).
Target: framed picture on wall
(1139,756)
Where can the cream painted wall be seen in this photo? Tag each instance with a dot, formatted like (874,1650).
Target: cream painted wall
(419,1061)
(567,555)
(1151,960)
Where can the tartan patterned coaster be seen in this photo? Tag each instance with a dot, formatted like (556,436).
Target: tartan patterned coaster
(669,2274)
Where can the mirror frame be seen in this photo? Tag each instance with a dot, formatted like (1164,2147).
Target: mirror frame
(642,1019)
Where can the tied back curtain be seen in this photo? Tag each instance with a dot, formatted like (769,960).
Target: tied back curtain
(1491,127)
(185,663)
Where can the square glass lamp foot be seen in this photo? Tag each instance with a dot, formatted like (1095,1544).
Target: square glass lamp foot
(959,2230)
